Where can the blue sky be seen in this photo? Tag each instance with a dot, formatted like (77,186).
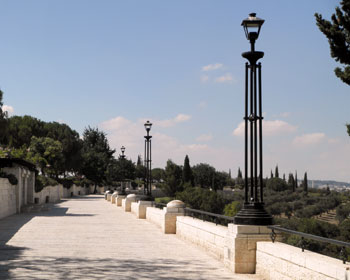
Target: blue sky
(115,64)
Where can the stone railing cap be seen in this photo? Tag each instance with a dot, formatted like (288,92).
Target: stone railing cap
(176,204)
(131,195)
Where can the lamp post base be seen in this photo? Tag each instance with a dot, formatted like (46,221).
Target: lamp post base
(253,214)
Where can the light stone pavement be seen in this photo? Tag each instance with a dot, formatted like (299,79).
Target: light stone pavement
(90,238)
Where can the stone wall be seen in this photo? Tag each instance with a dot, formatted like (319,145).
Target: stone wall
(282,261)
(7,198)
(155,216)
(207,235)
(51,194)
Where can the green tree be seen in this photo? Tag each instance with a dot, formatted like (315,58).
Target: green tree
(202,199)
(46,153)
(291,182)
(3,121)
(158,174)
(305,183)
(337,32)
(277,175)
(96,155)
(203,175)
(173,179)
(187,175)
(21,129)
(239,175)
(276,184)
(71,145)
(140,168)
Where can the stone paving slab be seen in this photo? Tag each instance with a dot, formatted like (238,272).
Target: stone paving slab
(89,238)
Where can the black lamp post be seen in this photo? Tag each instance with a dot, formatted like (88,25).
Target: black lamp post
(253,212)
(122,157)
(148,161)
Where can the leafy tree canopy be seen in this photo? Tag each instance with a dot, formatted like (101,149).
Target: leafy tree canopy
(337,32)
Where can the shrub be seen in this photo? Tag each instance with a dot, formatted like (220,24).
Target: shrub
(232,209)
(42,182)
(12,178)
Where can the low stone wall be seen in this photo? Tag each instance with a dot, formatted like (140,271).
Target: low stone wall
(155,216)
(51,194)
(282,261)
(7,198)
(134,207)
(207,235)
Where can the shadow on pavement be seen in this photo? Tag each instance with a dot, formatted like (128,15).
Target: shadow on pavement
(127,269)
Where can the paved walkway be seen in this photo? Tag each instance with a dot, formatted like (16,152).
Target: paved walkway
(89,238)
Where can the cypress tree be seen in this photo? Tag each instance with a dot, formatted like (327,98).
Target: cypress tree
(337,33)
(296,180)
(305,183)
(239,175)
(271,176)
(277,175)
(291,181)
(187,176)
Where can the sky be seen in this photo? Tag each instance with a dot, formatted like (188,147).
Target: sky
(115,64)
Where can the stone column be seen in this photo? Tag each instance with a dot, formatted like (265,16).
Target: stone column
(114,197)
(126,203)
(173,209)
(119,199)
(240,246)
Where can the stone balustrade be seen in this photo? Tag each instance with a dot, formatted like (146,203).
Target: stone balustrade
(243,249)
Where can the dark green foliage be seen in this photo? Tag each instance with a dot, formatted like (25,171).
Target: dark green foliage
(276,184)
(343,212)
(271,176)
(291,182)
(42,182)
(173,179)
(314,227)
(158,174)
(305,183)
(96,155)
(12,178)
(120,170)
(232,209)
(337,32)
(187,175)
(239,175)
(46,153)
(203,175)
(344,229)
(140,168)
(66,183)
(3,122)
(164,199)
(277,175)
(202,199)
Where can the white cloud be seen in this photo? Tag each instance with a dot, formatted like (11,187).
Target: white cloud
(309,139)
(285,114)
(333,140)
(269,128)
(227,78)
(204,78)
(7,108)
(204,138)
(211,67)
(171,122)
